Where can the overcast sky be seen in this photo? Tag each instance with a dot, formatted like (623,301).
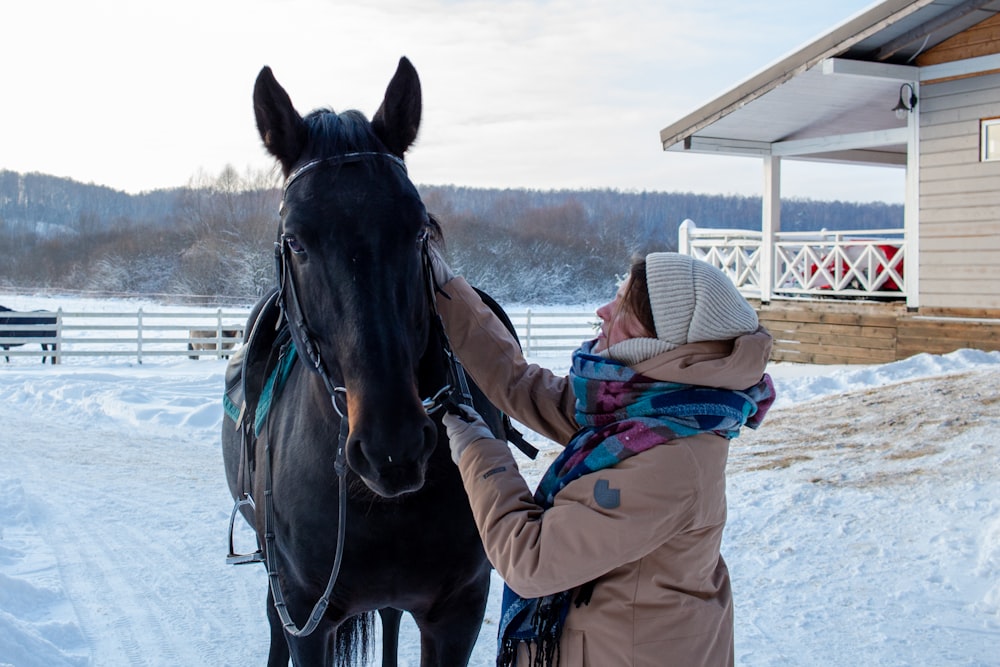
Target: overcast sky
(517,93)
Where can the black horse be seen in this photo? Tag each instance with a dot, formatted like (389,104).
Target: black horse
(373,367)
(34,324)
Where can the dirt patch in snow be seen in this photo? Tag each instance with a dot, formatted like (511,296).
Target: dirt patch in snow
(902,430)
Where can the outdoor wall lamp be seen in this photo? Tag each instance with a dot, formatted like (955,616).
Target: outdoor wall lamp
(906,102)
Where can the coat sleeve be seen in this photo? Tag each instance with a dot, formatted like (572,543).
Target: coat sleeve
(533,395)
(599,522)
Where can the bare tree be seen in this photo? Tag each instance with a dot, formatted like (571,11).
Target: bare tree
(231,220)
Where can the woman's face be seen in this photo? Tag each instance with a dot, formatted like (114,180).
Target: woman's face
(617,323)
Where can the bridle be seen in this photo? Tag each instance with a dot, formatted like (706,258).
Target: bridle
(291,307)
(454,391)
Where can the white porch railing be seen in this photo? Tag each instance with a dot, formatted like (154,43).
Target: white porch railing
(845,263)
(735,251)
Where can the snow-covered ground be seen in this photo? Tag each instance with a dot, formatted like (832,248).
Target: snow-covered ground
(864,519)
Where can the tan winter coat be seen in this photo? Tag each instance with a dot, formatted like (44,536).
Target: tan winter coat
(647,530)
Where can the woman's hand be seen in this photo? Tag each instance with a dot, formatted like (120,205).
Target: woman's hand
(464,429)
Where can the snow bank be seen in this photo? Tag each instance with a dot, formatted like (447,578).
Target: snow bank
(864,519)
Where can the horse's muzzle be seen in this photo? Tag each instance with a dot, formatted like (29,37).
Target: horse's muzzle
(397,464)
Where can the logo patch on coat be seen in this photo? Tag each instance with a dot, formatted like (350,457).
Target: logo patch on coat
(605,496)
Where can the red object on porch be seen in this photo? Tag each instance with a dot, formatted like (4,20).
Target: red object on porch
(890,251)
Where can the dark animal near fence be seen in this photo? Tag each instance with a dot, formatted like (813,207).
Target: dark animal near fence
(372,366)
(227,337)
(20,326)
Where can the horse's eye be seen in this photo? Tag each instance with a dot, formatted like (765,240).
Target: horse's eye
(294,245)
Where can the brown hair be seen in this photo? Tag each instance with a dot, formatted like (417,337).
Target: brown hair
(635,299)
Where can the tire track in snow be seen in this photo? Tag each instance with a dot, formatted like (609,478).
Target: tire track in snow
(132,567)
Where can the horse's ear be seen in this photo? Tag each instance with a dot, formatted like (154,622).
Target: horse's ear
(280,125)
(396,122)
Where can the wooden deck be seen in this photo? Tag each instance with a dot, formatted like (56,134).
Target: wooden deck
(865,332)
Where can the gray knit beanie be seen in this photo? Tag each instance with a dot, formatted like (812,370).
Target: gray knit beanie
(692,301)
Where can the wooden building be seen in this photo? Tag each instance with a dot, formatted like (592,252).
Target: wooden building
(911,84)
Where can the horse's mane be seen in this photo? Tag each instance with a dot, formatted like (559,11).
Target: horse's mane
(331,133)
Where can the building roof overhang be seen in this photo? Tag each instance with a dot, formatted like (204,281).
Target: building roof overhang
(833,99)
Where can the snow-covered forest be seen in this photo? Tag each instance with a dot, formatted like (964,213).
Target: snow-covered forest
(213,238)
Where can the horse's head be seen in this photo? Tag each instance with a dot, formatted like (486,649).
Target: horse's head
(349,247)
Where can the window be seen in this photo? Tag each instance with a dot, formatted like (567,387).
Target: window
(989,139)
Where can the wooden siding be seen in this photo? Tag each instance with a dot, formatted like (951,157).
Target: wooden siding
(982,39)
(959,194)
(856,332)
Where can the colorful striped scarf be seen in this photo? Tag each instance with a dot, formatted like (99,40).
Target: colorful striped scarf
(621,414)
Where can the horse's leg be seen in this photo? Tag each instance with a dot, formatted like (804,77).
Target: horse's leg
(278,655)
(390,635)
(315,649)
(449,629)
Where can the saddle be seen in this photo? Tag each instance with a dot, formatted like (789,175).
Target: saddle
(248,370)
(247,374)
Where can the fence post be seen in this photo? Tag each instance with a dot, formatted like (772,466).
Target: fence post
(218,334)
(59,341)
(527,332)
(138,335)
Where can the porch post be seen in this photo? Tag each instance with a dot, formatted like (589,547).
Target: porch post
(684,237)
(911,207)
(770,225)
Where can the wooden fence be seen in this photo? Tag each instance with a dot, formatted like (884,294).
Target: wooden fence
(806,331)
(141,334)
(859,332)
(145,334)
(545,333)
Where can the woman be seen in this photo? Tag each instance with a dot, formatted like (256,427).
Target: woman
(615,559)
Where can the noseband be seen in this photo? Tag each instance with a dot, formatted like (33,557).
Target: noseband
(455,390)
